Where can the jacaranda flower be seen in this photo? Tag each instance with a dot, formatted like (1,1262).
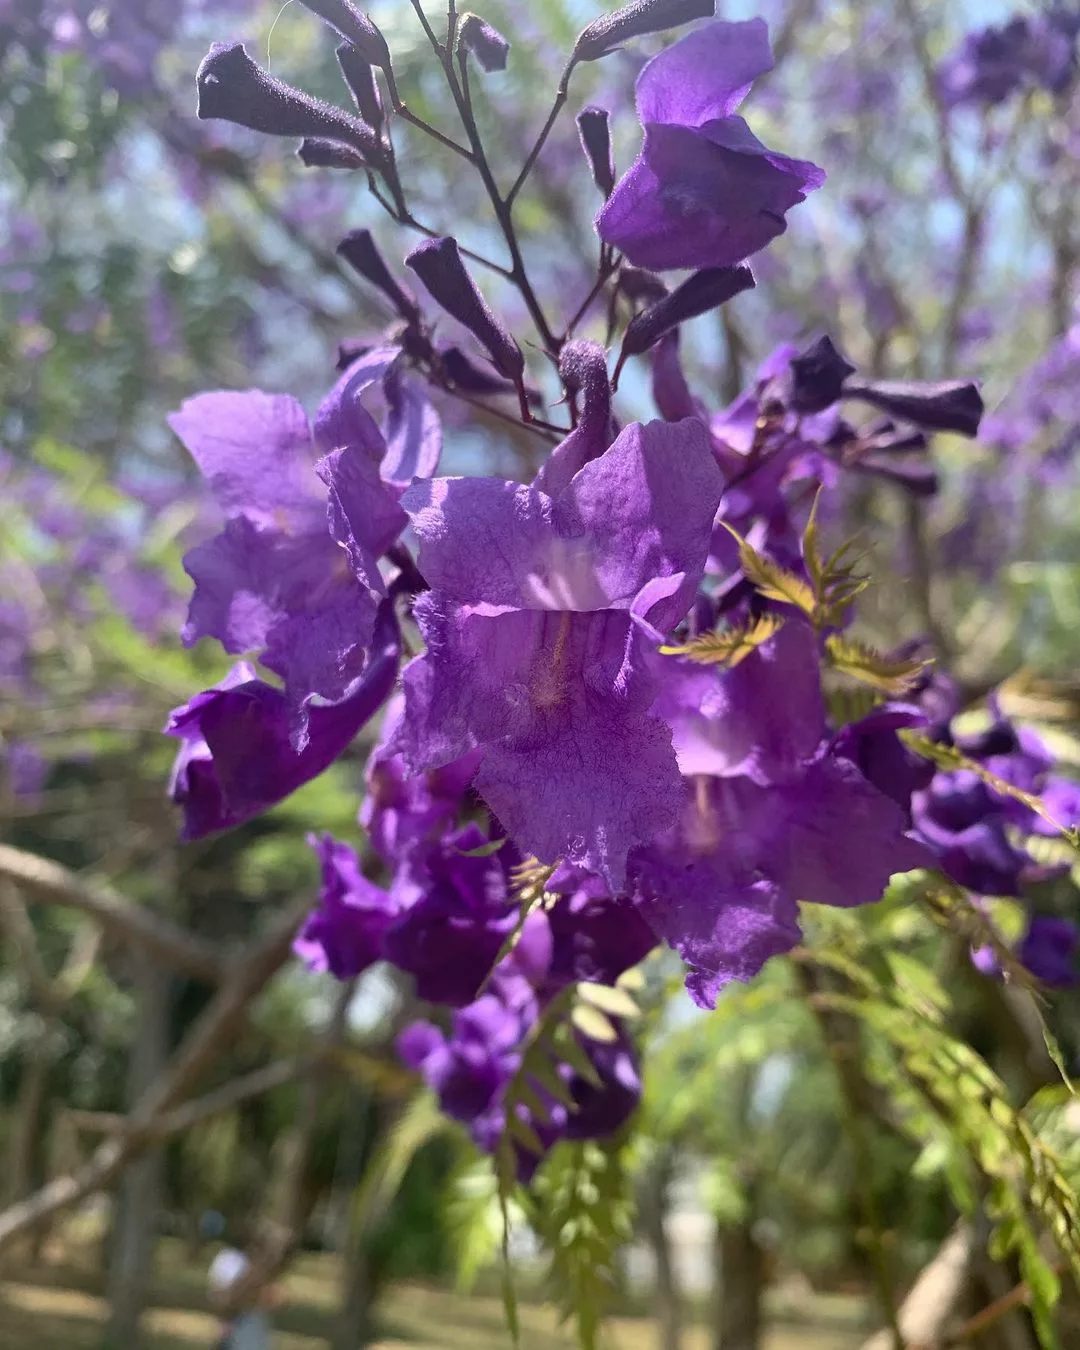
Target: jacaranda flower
(534,650)
(704,191)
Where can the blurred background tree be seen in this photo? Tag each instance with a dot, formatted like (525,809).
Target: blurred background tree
(145,256)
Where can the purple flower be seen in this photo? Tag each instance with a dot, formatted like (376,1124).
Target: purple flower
(401,811)
(594,936)
(959,819)
(472,1068)
(344,934)
(237,759)
(770,816)
(704,191)
(277,579)
(1049,950)
(455,913)
(534,652)
(1027,52)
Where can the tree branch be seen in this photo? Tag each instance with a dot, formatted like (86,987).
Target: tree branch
(934,1296)
(217,1025)
(171,946)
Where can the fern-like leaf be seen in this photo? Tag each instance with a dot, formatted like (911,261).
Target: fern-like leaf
(889,675)
(729,647)
(583,1212)
(770,579)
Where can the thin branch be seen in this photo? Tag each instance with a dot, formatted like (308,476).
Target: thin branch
(214,1029)
(45,993)
(459,91)
(556,108)
(933,1298)
(164,941)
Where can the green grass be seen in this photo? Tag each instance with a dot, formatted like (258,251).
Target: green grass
(61,1308)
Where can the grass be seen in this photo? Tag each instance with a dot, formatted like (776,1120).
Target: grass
(61,1308)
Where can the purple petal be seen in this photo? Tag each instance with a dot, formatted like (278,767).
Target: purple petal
(344,933)
(413,433)
(237,759)
(550,697)
(704,75)
(254,450)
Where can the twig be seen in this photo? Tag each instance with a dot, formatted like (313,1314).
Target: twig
(216,1026)
(556,108)
(49,881)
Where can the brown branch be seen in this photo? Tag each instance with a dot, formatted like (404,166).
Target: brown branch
(171,946)
(45,994)
(934,1296)
(217,1025)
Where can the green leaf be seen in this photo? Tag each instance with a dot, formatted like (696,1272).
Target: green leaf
(593,1023)
(729,647)
(770,579)
(889,675)
(523,1133)
(608,999)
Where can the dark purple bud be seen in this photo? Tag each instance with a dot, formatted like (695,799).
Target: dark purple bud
(592,125)
(317,153)
(359,251)
(696,295)
(235,88)
(638,284)
(635,20)
(468,376)
(817,377)
(583,370)
(359,75)
(951,405)
(354,27)
(437,262)
(487,44)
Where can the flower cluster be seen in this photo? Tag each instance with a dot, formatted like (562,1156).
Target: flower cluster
(1028,52)
(620,696)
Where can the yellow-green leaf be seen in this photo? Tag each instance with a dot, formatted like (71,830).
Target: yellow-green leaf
(592,1022)
(890,675)
(729,647)
(616,1002)
(771,580)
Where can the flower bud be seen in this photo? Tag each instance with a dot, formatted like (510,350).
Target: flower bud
(817,377)
(583,370)
(317,153)
(359,75)
(468,376)
(592,125)
(437,262)
(359,251)
(635,20)
(236,89)
(949,405)
(355,27)
(699,293)
(487,44)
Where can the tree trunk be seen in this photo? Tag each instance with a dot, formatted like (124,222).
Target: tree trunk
(138,1202)
(654,1212)
(740,1284)
(26,1124)
(352,1326)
